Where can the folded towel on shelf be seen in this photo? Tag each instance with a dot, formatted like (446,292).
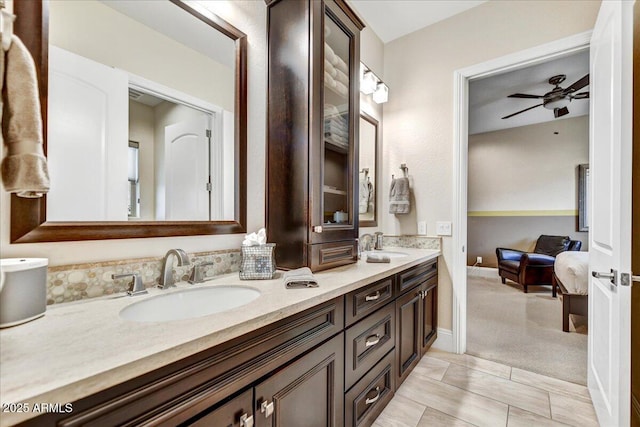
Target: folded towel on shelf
(300,278)
(24,169)
(330,69)
(374,257)
(341,77)
(399,196)
(329,81)
(330,110)
(329,54)
(341,88)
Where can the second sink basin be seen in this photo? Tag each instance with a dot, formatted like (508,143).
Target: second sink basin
(189,303)
(390,254)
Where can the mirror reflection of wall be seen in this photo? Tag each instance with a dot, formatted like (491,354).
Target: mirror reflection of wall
(115,79)
(368,176)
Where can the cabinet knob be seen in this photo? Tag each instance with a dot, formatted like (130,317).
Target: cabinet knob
(317,229)
(266,408)
(246,420)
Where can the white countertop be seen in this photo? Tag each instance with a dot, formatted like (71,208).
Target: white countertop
(78,349)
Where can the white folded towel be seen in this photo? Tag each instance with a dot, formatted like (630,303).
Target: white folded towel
(300,278)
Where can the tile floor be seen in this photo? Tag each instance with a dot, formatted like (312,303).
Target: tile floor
(448,389)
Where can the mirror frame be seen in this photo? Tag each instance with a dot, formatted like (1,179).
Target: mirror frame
(28,216)
(376,179)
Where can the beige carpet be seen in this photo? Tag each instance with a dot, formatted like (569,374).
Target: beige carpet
(524,330)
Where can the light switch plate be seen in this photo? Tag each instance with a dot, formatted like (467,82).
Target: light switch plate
(443,228)
(422,228)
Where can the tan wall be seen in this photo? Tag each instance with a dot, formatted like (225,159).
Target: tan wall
(419,115)
(523,182)
(128,49)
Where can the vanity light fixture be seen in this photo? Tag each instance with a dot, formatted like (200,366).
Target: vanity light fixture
(381,95)
(371,84)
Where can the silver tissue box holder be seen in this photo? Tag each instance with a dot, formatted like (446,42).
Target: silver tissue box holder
(258,262)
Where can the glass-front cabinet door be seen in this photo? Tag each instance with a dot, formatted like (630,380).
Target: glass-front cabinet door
(338,131)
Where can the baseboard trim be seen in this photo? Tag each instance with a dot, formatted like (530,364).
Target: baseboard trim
(444,341)
(489,272)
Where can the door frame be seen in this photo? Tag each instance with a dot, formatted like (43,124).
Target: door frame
(525,58)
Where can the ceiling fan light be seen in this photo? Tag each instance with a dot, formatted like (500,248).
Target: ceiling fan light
(381,94)
(557,103)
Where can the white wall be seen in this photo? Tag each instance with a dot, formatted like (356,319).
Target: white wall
(418,118)
(249,17)
(528,168)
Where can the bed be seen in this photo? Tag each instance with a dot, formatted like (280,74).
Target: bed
(571,279)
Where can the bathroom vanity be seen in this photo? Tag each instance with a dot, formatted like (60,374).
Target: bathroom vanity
(331,355)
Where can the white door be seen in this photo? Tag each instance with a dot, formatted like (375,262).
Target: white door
(88,139)
(610,228)
(187,170)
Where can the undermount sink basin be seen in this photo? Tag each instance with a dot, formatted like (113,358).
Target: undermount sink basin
(189,303)
(390,254)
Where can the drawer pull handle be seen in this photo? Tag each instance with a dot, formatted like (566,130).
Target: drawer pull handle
(266,408)
(372,297)
(246,420)
(375,398)
(372,340)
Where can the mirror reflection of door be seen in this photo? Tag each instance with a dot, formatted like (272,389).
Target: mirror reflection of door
(102,98)
(368,174)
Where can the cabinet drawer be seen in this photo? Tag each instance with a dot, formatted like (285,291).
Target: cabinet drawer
(366,400)
(367,341)
(366,300)
(329,255)
(416,275)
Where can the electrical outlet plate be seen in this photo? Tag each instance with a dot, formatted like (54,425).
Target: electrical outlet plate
(443,228)
(422,228)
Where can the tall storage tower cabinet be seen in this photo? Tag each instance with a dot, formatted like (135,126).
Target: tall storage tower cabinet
(312,148)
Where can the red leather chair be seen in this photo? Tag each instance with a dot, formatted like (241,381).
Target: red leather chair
(534,268)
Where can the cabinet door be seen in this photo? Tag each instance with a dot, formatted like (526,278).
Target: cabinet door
(235,413)
(306,393)
(429,313)
(408,332)
(335,185)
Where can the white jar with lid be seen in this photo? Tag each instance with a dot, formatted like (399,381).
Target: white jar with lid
(23,290)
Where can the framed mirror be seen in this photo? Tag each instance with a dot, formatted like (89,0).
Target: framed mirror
(368,176)
(160,147)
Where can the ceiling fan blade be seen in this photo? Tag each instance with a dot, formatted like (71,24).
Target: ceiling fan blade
(524,95)
(577,85)
(581,95)
(522,111)
(559,112)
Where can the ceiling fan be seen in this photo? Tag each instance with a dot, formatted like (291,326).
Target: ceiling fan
(558,98)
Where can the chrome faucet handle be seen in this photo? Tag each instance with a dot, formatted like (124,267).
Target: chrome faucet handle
(136,287)
(196,272)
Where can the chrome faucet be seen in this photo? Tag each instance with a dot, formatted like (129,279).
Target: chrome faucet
(378,240)
(197,275)
(166,278)
(365,242)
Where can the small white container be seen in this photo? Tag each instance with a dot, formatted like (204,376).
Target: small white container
(23,290)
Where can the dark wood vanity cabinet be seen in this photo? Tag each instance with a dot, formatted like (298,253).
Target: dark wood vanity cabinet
(312,132)
(338,363)
(416,315)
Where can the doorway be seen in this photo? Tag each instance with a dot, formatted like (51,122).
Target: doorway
(526,58)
